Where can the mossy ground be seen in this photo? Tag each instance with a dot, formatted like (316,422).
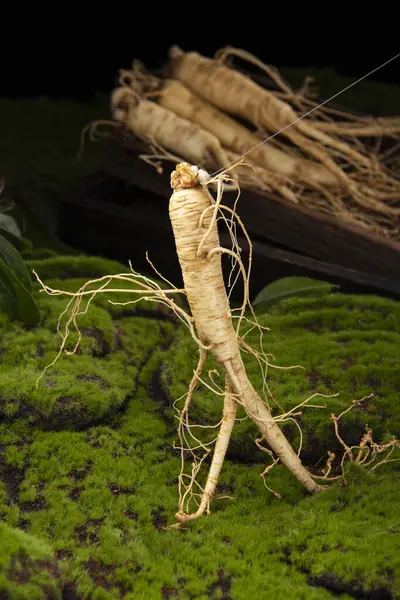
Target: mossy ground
(349,346)
(89,484)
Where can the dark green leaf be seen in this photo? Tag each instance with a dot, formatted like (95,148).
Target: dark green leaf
(12,258)
(17,297)
(20,243)
(288,287)
(41,205)
(8,301)
(8,223)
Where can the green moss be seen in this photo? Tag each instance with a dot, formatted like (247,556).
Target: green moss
(99,496)
(66,267)
(348,347)
(106,502)
(28,570)
(69,273)
(99,377)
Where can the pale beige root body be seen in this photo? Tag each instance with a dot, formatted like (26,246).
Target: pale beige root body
(200,262)
(295,179)
(149,121)
(176,97)
(238,95)
(220,449)
(326,200)
(159,124)
(270,168)
(255,177)
(356,125)
(236,137)
(389,126)
(245,98)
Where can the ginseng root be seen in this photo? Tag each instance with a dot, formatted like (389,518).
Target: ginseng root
(194,216)
(199,252)
(356,126)
(147,120)
(230,90)
(179,99)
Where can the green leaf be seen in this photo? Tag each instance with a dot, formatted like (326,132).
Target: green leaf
(8,300)
(288,287)
(18,299)
(20,243)
(12,259)
(8,223)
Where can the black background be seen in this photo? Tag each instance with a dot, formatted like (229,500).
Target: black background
(79,60)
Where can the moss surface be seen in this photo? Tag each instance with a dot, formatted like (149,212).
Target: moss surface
(93,382)
(348,346)
(27,567)
(84,500)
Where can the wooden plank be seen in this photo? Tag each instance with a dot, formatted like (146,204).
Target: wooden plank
(90,221)
(350,281)
(268,218)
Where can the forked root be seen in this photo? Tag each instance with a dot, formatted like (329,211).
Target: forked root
(260,414)
(221,446)
(193,214)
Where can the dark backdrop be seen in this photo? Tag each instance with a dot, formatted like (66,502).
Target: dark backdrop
(78,63)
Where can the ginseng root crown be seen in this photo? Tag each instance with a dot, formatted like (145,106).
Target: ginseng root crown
(188,176)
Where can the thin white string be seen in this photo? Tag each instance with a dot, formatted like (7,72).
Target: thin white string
(309,112)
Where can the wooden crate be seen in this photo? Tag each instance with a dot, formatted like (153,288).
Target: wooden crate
(122,212)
